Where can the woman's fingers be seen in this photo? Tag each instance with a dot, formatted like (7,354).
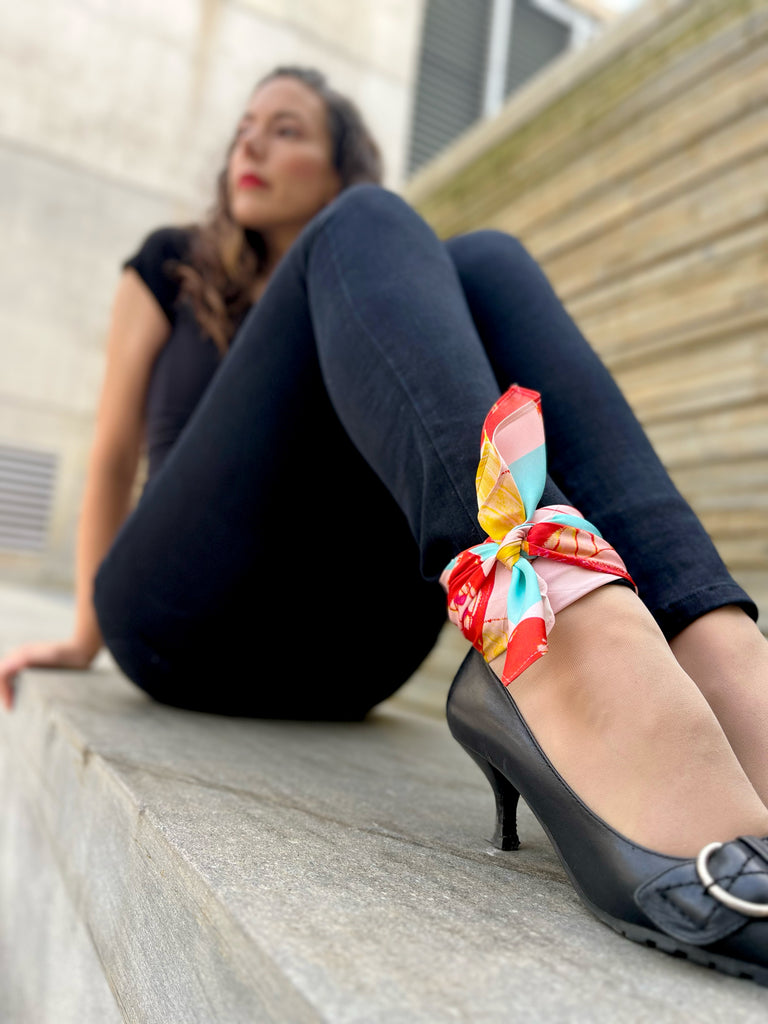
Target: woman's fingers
(67,654)
(8,670)
(10,666)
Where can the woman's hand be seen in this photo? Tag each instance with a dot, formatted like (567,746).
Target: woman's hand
(64,654)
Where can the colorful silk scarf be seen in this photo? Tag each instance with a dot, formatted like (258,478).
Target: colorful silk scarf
(495,596)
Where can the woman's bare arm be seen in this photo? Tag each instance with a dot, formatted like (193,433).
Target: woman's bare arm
(138,330)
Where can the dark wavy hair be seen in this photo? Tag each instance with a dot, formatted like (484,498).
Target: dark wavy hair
(225,258)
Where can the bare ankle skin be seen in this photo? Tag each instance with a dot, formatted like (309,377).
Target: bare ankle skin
(631,732)
(726,655)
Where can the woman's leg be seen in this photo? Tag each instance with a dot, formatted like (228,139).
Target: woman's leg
(599,454)
(408,378)
(267,533)
(405,352)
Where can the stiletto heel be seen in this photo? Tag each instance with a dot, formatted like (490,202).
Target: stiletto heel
(505,836)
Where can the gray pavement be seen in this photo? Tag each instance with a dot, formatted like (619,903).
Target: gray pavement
(158,865)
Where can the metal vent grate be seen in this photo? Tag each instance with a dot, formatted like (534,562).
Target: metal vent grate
(449,90)
(536,40)
(27,480)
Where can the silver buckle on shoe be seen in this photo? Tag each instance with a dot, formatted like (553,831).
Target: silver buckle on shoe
(722,895)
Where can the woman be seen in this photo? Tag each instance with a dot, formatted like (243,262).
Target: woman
(336,449)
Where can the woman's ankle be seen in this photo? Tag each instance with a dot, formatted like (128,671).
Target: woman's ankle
(727,657)
(719,645)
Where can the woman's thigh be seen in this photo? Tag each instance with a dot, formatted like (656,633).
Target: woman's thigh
(266,538)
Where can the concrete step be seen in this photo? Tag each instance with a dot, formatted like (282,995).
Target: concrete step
(164,866)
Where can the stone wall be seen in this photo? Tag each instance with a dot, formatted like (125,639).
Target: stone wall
(637,174)
(114,118)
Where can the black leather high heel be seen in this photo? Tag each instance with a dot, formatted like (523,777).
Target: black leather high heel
(712,909)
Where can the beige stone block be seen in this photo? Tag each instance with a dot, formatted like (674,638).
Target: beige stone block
(85,90)
(60,255)
(379,35)
(65,235)
(151,96)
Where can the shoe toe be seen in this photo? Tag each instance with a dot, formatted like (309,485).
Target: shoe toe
(719,901)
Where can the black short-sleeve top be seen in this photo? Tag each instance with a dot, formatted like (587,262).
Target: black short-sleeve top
(188,360)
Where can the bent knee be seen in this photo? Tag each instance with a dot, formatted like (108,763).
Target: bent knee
(362,205)
(484,248)
(493,259)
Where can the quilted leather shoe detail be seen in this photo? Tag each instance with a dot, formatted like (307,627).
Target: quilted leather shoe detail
(679,905)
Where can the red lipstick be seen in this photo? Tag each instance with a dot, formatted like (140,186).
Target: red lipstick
(251,181)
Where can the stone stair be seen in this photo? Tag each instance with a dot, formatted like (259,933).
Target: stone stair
(159,866)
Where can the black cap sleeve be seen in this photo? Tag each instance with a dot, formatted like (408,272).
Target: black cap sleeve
(151,263)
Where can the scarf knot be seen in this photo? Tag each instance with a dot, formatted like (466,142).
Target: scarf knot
(495,596)
(514,545)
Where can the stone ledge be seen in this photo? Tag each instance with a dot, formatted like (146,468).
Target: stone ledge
(160,865)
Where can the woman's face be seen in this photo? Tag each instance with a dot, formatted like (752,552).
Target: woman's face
(280,172)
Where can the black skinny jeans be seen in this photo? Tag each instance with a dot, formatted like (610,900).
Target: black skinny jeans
(334,455)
